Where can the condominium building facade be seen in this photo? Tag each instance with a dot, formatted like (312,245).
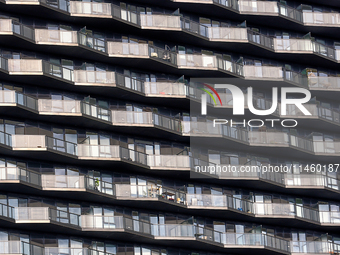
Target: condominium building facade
(101,133)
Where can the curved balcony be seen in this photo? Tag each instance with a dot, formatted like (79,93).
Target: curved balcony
(147,196)
(225,38)
(178,235)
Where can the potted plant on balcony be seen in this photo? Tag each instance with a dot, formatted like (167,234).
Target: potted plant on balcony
(96,184)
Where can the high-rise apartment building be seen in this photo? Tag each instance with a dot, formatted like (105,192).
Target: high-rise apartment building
(97,122)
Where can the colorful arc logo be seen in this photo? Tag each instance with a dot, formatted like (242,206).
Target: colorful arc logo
(215,92)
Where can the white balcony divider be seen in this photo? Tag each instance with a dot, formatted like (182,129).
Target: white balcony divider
(227,34)
(7,96)
(330,147)
(274,209)
(293,110)
(98,151)
(266,72)
(123,190)
(133,49)
(160,21)
(293,45)
(85,77)
(268,138)
(62,181)
(25,66)
(31,214)
(258,7)
(337,54)
(46,36)
(305,180)
(9,173)
(5,26)
(324,83)
(131,118)
(102,222)
(329,217)
(196,61)
(173,230)
(321,18)
(200,128)
(206,200)
(11,247)
(168,161)
(28,141)
(90,8)
(59,106)
(163,89)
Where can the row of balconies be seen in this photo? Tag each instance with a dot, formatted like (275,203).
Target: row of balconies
(237,137)
(78,108)
(163,89)
(186,163)
(218,34)
(151,193)
(157,21)
(146,231)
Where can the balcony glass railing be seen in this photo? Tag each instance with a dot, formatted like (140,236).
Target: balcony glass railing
(92,42)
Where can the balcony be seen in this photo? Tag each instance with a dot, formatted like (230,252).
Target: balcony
(59,107)
(263,72)
(101,152)
(227,34)
(199,62)
(25,67)
(94,78)
(62,182)
(90,9)
(258,7)
(168,162)
(165,89)
(132,50)
(126,118)
(28,142)
(56,37)
(160,22)
(321,18)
